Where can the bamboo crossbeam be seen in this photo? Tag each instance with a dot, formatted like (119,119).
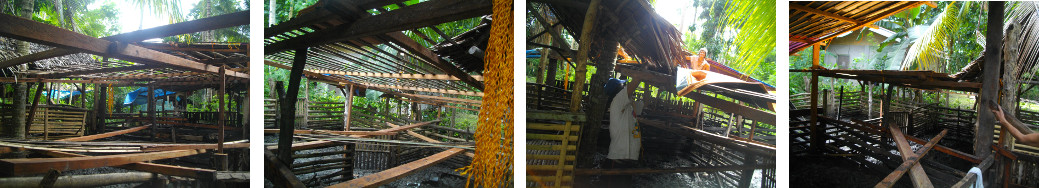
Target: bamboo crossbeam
(386,176)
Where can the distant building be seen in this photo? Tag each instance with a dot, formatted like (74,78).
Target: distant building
(847,48)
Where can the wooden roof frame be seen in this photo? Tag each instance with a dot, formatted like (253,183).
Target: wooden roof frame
(856,24)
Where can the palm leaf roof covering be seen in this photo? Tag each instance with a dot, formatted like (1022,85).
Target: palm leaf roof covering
(60,55)
(389,46)
(813,22)
(640,30)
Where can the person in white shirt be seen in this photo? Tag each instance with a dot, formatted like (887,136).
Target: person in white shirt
(625,136)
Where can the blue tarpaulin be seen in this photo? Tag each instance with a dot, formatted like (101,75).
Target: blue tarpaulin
(61,94)
(533,53)
(140,96)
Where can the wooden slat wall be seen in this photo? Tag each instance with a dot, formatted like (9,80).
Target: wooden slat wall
(552,148)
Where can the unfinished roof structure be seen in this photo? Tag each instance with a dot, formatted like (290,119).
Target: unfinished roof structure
(58,138)
(421,74)
(716,135)
(883,136)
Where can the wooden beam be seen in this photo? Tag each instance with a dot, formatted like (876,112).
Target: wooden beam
(347,133)
(911,162)
(406,127)
(822,13)
(659,81)
(640,171)
(344,82)
(204,24)
(917,173)
(420,89)
(758,149)
(387,176)
(860,25)
(100,70)
(105,135)
(424,53)
(149,167)
(396,75)
(29,166)
(306,145)
(45,34)
(168,147)
(419,15)
(226,48)
(43,80)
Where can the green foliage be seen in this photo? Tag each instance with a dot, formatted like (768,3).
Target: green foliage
(739,34)
(209,8)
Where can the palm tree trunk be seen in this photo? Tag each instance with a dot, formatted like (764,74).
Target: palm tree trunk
(16,129)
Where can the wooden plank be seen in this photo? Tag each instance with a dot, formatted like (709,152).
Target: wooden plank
(45,34)
(407,127)
(204,24)
(149,167)
(387,176)
(348,133)
(168,147)
(639,171)
(28,166)
(913,160)
(917,173)
(279,173)
(105,135)
(416,135)
(306,145)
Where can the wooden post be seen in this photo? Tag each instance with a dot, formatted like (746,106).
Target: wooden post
(348,106)
(990,81)
(151,111)
(221,117)
(840,102)
(582,54)
(816,140)
(990,84)
(32,109)
(102,107)
(288,107)
(748,174)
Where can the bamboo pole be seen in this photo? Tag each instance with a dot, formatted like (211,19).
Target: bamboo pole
(582,54)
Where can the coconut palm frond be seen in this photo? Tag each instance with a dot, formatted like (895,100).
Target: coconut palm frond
(929,51)
(1026,16)
(169,8)
(755,22)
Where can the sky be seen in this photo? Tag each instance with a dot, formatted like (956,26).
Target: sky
(130,16)
(680,13)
